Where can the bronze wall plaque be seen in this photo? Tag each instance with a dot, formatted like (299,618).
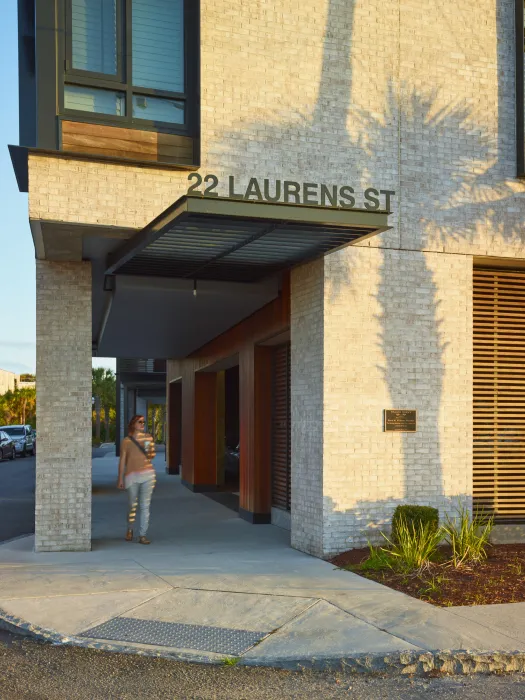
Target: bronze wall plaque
(400,420)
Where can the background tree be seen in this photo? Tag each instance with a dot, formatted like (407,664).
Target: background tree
(97,379)
(109,391)
(18,407)
(104,395)
(156,421)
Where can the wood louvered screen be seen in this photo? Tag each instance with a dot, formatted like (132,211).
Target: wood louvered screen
(499,394)
(281,448)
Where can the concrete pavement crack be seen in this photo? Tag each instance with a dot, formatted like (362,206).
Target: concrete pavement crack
(285,623)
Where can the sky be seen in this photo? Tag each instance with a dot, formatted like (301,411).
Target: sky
(17,254)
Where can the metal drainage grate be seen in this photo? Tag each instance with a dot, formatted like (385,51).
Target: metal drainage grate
(220,640)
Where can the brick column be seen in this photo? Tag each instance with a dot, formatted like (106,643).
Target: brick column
(63,368)
(307,411)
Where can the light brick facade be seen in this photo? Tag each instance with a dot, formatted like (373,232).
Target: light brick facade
(386,95)
(63,365)
(389,331)
(416,97)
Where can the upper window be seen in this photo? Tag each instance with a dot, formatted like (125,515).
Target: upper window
(126,60)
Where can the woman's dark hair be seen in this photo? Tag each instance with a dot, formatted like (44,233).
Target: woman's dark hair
(131,424)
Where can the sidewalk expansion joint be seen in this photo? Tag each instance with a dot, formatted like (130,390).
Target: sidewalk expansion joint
(80,595)
(372,624)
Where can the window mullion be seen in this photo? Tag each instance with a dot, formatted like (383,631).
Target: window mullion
(520,88)
(120,44)
(129,64)
(69,37)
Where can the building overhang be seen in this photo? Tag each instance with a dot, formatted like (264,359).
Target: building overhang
(232,240)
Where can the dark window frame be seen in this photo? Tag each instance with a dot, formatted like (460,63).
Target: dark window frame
(122,82)
(520,92)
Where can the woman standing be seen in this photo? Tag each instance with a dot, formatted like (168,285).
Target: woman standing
(137,475)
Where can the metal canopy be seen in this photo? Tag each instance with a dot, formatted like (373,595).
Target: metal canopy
(221,239)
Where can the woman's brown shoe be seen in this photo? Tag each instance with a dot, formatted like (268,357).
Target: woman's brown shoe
(129,535)
(144,540)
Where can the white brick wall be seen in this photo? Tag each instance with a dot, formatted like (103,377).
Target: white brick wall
(397,335)
(63,367)
(390,331)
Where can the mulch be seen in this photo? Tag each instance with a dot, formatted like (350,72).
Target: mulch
(499,579)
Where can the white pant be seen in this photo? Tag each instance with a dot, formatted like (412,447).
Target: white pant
(140,491)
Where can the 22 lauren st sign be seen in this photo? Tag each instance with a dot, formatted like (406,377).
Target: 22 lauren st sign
(291,192)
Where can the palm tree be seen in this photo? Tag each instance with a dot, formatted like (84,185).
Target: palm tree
(18,406)
(27,404)
(103,391)
(109,388)
(97,377)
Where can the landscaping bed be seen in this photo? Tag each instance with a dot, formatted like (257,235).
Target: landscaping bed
(500,578)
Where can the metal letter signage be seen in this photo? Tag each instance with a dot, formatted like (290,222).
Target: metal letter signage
(400,420)
(290,192)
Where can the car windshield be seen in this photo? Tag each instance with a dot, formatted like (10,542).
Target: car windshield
(14,432)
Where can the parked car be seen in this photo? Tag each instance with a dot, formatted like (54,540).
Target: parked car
(7,446)
(22,436)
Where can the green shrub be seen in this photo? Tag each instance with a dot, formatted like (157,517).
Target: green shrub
(417,515)
(468,536)
(416,544)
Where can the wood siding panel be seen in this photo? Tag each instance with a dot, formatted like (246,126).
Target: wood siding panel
(205,435)
(255,375)
(499,394)
(112,141)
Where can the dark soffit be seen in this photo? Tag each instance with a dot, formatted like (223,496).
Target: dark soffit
(222,239)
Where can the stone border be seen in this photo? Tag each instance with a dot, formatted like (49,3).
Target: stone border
(406,663)
(460,662)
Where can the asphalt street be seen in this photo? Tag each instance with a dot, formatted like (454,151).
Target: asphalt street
(17,497)
(35,671)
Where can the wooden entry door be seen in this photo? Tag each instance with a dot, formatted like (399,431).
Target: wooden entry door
(281,429)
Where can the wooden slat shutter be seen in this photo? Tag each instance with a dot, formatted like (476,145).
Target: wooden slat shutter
(499,394)
(281,448)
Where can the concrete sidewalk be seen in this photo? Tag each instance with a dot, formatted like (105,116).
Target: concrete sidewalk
(212,586)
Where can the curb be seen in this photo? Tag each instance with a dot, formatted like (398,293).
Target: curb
(412,663)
